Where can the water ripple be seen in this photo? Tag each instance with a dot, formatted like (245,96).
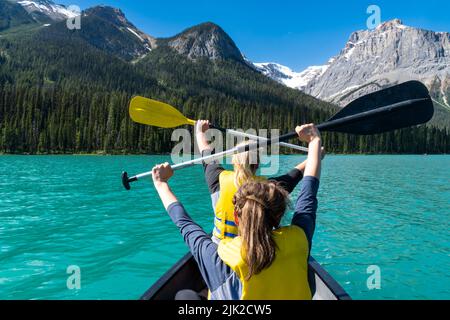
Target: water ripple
(391,211)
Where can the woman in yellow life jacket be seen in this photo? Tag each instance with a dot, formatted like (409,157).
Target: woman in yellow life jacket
(223,184)
(265,261)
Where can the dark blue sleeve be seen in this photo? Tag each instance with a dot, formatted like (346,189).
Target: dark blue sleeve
(212,172)
(289,180)
(306,207)
(203,249)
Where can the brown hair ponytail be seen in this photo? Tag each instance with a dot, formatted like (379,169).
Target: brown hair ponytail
(259,207)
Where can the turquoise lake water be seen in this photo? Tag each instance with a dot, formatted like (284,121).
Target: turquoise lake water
(58,211)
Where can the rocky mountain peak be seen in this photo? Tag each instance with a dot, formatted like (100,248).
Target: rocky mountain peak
(391,53)
(391,24)
(371,59)
(138,42)
(205,40)
(114,15)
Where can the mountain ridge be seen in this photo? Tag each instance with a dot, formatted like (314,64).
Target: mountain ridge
(67,91)
(205,40)
(12,15)
(387,55)
(333,90)
(375,59)
(74,87)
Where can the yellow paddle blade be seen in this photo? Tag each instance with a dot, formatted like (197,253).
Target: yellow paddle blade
(156,113)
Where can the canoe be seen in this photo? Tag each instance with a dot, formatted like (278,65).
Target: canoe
(186,275)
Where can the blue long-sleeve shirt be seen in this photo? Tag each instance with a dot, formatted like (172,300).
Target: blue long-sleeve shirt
(220,279)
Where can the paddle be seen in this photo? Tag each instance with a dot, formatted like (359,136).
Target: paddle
(397,107)
(159,114)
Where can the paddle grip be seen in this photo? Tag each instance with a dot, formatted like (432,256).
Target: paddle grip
(126,180)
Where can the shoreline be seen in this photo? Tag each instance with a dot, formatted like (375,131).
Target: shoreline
(99,154)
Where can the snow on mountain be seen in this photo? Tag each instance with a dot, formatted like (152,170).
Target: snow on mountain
(47,8)
(118,19)
(285,75)
(390,54)
(371,59)
(109,30)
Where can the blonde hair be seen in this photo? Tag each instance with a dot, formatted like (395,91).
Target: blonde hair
(259,207)
(245,165)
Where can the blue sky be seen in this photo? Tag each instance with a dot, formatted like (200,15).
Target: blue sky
(294,33)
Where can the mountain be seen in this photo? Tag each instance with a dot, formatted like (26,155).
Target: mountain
(119,22)
(284,75)
(372,59)
(13,15)
(106,29)
(206,40)
(391,53)
(46,11)
(109,30)
(67,91)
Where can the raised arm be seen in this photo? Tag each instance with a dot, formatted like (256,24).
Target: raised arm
(301,166)
(161,175)
(212,169)
(203,249)
(191,232)
(200,244)
(201,126)
(308,133)
(306,206)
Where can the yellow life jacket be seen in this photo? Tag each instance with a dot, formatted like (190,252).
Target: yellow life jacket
(285,279)
(224,224)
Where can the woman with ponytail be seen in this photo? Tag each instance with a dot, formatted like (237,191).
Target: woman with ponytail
(265,261)
(223,184)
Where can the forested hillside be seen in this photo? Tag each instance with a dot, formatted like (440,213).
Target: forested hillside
(13,15)
(62,94)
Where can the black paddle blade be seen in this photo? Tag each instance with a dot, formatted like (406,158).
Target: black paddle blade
(397,107)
